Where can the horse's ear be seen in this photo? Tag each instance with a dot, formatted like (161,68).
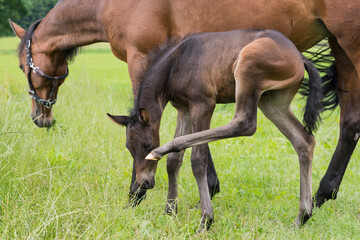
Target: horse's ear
(144,116)
(122,120)
(19,31)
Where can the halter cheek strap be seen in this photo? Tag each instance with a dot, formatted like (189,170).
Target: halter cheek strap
(55,80)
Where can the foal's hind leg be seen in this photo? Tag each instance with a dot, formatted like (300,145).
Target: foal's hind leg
(276,107)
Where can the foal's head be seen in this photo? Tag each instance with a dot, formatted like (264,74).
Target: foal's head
(44,70)
(142,136)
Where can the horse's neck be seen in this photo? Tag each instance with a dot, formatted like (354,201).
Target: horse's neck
(70,24)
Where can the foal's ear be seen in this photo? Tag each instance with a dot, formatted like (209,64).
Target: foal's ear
(19,31)
(122,120)
(144,116)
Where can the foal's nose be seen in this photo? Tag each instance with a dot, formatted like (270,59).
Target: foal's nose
(146,184)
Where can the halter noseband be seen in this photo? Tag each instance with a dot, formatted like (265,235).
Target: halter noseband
(29,62)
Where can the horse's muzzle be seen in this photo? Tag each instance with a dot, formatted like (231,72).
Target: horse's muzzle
(42,121)
(147,184)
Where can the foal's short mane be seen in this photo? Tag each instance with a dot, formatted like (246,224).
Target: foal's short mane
(153,57)
(69,54)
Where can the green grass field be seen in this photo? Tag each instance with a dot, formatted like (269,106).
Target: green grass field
(72,181)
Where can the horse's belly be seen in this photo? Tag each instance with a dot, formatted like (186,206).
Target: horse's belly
(295,19)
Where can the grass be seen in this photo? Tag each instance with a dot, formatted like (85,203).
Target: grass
(72,181)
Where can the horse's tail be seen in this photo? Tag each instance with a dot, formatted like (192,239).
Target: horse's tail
(329,88)
(324,60)
(314,104)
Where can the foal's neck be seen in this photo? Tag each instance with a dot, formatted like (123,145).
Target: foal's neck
(70,24)
(154,92)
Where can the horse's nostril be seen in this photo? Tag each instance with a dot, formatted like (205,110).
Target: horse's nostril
(146,183)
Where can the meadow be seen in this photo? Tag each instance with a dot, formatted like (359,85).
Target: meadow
(72,181)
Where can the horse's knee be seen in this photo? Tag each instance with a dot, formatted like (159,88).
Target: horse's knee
(174,161)
(199,161)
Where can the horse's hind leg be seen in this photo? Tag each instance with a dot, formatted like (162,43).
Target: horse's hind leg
(348,92)
(275,106)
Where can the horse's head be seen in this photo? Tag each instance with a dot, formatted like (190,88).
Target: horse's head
(45,72)
(142,136)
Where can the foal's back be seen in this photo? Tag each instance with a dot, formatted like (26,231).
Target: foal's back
(210,60)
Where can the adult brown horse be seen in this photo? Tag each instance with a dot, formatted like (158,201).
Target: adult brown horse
(133,28)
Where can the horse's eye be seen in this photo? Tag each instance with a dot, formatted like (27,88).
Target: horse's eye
(148,146)
(21,67)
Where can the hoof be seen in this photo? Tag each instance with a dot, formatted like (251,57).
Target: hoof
(171,208)
(322,197)
(152,156)
(204,227)
(302,219)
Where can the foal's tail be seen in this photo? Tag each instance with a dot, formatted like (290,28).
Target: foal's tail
(314,105)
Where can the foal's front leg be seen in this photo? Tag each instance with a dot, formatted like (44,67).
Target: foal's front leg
(200,117)
(174,160)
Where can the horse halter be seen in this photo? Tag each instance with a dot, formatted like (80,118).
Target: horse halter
(55,80)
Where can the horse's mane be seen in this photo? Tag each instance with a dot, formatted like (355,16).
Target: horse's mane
(69,54)
(28,36)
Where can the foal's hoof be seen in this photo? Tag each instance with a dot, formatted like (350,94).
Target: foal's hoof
(153,156)
(302,219)
(171,210)
(204,227)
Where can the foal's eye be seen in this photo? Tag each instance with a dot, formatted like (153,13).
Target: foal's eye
(148,146)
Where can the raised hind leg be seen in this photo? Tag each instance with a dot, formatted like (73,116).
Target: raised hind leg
(276,107)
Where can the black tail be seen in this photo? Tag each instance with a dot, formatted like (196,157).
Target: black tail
(324,60)
(312,88)
(329,88)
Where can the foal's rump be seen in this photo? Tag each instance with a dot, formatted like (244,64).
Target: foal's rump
(269,64)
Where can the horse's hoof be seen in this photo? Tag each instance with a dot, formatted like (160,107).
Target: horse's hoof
(171,210)
(204,227)
(152,156)
(302,219)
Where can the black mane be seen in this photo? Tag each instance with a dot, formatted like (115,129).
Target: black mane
(69,54)
(28,36)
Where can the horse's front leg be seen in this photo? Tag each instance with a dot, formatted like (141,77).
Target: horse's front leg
(348,92)
(200,118)
(174,159)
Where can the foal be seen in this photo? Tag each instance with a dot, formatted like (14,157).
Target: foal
(251,67)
